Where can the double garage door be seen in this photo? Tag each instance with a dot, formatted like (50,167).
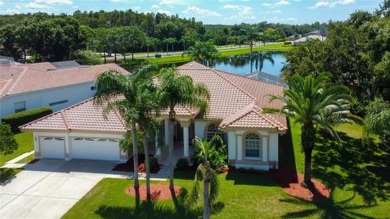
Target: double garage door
(81,148)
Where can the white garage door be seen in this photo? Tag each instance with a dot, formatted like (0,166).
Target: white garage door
(95,148)
(52,147)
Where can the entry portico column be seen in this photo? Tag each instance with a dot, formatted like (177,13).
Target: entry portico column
(186,136)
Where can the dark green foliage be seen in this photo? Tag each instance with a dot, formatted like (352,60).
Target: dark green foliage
(378,119)
(182,164)
(17,119)
(153,162)
(86,57)
(7,141)
(8,173)
(287,43)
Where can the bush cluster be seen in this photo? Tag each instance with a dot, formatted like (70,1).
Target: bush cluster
(17,119)
(182,164)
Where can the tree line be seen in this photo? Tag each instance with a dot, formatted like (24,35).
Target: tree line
(52,37)
(355,54)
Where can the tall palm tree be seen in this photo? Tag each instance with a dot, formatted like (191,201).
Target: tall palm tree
(148,108)
(205,173)
(203,52)
(111,85)
(316,104)
(251,35)
(260,57)
(178,89)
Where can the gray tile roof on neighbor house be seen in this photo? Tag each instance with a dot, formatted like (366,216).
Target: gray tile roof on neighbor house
(23,78)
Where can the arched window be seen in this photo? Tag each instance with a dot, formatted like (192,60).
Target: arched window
(252,146)
(213,130)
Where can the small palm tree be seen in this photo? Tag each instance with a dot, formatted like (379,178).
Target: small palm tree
(316,104)
(205,173)
(176,89)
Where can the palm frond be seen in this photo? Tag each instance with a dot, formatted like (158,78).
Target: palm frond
(214,186)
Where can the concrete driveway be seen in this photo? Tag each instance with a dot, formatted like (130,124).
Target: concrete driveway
(49,188)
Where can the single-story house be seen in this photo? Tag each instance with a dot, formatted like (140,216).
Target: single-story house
(235,113)
(54,84)
(309,38)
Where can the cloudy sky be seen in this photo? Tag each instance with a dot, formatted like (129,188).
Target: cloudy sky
(208,11)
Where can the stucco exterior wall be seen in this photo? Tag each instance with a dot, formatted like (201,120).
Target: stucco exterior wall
(74,94)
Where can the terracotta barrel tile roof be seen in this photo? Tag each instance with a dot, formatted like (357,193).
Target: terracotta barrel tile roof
(34,77)
(84,116)
(235,100)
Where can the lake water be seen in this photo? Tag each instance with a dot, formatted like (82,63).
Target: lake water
(242,65)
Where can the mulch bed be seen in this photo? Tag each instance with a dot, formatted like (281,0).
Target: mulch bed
(33,161)
(290,183)
(157,192)
(129,166)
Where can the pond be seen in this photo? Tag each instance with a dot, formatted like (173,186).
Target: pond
(242,65)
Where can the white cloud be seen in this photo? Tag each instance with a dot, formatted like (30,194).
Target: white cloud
(173,2)
(34,5)
(1,3)
(331,4)
(136,8)
(155,6)
(346,2)
(277,4)
(52,2)
(282,2)
(274,12)
(225,1)
(164,12)
(200,11)
(231,6)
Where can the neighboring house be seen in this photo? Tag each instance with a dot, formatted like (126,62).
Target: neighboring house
(235,114)
(57,84)
(308,38)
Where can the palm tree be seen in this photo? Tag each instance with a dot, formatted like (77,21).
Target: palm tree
(377,120)
(260,57)
(316,104)
(205,173)
(205,52)
(148,108)
(111,85)
(251,35)
(169,41)
(176,89)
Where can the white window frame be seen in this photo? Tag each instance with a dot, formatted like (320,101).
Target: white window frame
(212,130)
(253,138)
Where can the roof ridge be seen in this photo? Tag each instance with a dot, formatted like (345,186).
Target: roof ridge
(17,80)
(120,119)
(234,117)
(42,118)
(64,118)
(235,85)
(279,124)
(242,76)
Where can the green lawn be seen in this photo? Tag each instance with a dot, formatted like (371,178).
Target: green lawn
(178,58)
(27,159)
(356,174)
(25,144)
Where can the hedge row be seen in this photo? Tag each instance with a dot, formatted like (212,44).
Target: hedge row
(17,119)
